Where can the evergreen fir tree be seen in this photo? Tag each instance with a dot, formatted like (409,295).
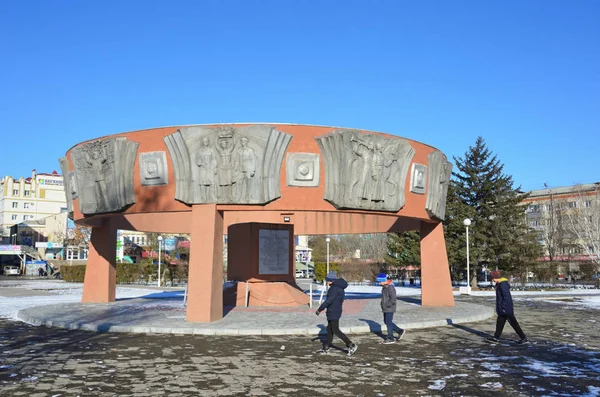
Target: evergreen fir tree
(480,191)
(404,249)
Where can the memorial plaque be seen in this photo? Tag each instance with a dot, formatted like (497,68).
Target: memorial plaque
(274,251)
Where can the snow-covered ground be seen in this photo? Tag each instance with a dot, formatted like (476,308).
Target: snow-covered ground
(412,291)
(588,302)
(565,291)
(63,292)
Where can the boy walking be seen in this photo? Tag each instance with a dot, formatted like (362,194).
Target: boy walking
(504,309)
(333,304)
(388,306)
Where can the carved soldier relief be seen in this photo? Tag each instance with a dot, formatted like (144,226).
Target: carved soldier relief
(227,165)
(104,174)
(69,181)
(153,168)
(365,171)
(440,171)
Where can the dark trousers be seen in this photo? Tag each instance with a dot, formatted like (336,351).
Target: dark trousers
(512,321)
(333,328)
(388,319)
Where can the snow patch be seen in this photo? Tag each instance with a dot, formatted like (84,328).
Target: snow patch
(438,384)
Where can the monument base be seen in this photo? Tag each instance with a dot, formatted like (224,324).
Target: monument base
(266,294)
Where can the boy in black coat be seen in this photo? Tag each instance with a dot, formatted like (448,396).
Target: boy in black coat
(388,307)
(333,304)
(504,309)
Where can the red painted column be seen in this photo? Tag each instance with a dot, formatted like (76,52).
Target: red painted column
(205,278)
(100,281)
(436,286)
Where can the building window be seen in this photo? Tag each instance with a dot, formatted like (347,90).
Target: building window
(572,204)
(15,192)
(15,204)
(14,217)
(26,205)
(27,192)
(24,217)
(588,204)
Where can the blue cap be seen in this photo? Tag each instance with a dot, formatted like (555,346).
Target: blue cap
(382,278)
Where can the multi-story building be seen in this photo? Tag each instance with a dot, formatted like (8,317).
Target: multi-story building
(567,220)
(27,199)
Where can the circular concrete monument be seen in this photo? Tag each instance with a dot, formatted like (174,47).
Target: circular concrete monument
(260,184)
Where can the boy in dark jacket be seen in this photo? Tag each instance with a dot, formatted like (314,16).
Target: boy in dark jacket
(333,304)
(504,309)
(388,306)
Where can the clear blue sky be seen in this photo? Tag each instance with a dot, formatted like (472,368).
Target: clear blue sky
(525,75)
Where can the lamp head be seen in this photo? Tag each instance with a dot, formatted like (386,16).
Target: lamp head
(327,239)
(160,238)
(467,222)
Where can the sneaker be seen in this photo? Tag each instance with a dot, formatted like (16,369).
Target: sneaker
(492,340)
(323,351)
(388,341)
(401,335)
(522,342)
(352,349)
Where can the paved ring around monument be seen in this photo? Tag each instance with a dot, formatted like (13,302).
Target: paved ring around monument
(259,184)
(148,316)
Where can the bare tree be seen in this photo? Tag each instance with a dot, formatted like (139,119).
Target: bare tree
(369,246)
(552,228)
(583,215)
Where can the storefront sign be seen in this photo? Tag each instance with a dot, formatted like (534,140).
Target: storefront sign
(10,249)
(50,182)
(48,245)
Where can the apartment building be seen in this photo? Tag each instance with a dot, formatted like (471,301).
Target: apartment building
(29,199)
(566,219)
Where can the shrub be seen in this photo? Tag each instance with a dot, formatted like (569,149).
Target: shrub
(75,274)
(128,273)
(359,271)
(321,269)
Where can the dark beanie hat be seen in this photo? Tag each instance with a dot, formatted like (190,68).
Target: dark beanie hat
(331,276)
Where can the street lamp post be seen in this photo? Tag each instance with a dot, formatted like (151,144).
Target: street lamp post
(467,223)
(327,240)
(159,252)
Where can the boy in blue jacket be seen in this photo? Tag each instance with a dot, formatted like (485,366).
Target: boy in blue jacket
(333,304)
(504,309)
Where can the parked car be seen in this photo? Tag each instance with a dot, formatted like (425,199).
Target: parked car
(299,274)
(12,271)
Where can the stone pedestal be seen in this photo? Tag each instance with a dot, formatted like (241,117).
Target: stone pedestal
(258,255)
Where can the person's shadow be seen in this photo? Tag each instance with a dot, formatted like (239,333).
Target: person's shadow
(322,337)
(468,329)
(374,328)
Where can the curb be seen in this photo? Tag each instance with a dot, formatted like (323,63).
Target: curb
(361,329)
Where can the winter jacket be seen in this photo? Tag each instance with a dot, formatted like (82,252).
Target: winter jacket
(335,298)
(388,298)
(504,303)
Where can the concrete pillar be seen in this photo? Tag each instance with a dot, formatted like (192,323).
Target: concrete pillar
(100,281)
(205,278)
(436,286)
